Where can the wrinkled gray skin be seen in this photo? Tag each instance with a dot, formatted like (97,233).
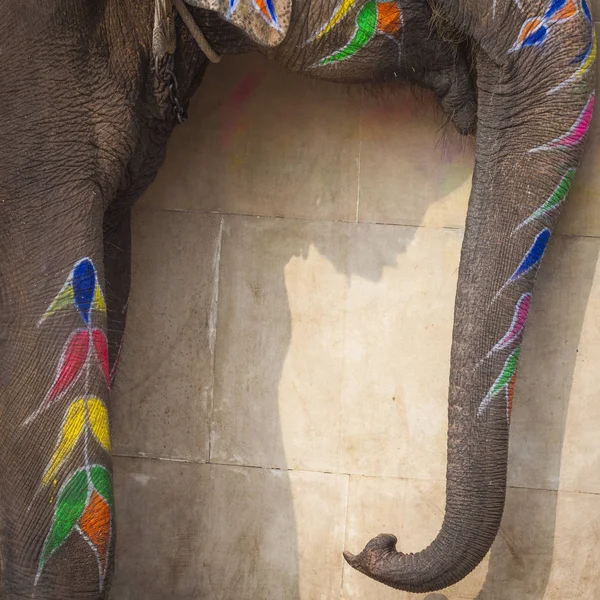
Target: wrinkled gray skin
(85,120)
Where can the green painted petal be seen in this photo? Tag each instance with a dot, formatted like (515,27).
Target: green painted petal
(366,28)
(510,368)
(63,299)
(69,507)
(103,484)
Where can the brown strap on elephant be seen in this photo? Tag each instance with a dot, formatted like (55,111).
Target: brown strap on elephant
(164,36)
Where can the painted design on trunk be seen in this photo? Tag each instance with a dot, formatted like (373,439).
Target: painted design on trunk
(554,202)
(84,503)
(576,134)
(517,325)
(535,31)
(505,382)
(264,7)
(534,255)
(585,61)
(375,17)
(530,261)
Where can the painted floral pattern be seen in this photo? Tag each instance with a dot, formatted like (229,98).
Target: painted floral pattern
(84,503)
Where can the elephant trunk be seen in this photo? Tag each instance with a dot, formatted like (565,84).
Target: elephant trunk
(532,120)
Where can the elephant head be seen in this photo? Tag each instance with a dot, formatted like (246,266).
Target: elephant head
(84,74)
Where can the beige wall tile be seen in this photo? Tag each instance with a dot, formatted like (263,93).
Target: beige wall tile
(164,387)
(226,533)
(332,347)
(413,171)
(264,141)
(552,365)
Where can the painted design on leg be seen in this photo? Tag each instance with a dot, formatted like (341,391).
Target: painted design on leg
(510,394)
(85,504)
(576,134)
(554,202)
(374,18)
(85,501)
(585,62)
(517,325)
(82,290)
(503,382)
(73,361)
(535,30)
(341,10)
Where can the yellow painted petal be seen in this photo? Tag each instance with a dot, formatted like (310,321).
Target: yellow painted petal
(338,14)
(71,430)
(63,299)
(99,303)
(98,416)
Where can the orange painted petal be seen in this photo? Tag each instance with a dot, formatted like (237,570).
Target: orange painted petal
(96,526)
(568,11)
(529,27)
(389,19)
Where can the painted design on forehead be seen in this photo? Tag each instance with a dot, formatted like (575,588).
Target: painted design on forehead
(535,30)
(84,503)
(553,203)
(505,382)
(264,7)
(374,18)
(576,134)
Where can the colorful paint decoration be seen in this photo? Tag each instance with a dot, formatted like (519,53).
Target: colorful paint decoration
(553,203)
(535,31)
(505,382)
(584,62)
(376,17)
(85,500)
(576,134)
(534,255)
(517,325)
(264,7)
(341,10)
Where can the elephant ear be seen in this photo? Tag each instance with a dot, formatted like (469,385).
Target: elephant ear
(264,21)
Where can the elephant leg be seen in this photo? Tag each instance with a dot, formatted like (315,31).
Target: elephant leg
(117,269)
(535,103)
(56,504)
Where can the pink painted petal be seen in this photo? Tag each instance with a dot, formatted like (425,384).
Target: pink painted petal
(517,325)
(576,134)
(101,348)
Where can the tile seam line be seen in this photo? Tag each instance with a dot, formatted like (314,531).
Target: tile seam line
(341,474)
(345,222)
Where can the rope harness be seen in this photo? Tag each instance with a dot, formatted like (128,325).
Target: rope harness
(164,42)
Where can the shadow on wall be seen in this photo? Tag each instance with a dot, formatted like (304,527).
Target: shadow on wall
(263,142)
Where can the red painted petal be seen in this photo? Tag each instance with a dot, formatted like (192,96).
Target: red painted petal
(101,347)
(95,525)
(71,362)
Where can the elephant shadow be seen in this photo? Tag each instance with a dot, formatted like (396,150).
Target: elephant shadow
(247,124)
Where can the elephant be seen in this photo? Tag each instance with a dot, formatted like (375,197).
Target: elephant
(90,93)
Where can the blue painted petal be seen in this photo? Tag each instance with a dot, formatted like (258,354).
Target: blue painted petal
(271,10)
(537,37)
(84,286)
(554,7)
(534,254)
(581,57)
(586,10)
